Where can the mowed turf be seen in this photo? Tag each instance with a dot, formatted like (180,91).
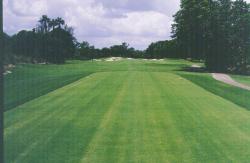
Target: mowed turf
(29,81)
(128,116)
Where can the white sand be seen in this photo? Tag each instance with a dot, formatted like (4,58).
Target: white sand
(112,59)
(7,72)
(196,66)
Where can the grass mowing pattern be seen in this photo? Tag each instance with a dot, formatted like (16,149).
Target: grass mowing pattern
(236,95)
(128,116)
(30,81)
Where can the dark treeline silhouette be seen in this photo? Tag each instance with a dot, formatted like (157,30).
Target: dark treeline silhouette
(86,51)
(217,31)
(162,49)
(52,41)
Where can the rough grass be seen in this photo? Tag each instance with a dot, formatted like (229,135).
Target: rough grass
(236,95)
(129,111)
(30,81)
(242,79)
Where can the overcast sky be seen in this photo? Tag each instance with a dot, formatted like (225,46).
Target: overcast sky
(100,22)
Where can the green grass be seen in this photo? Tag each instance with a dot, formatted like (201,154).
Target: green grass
(242,79)
(30,81)
(128,111)
(236,95)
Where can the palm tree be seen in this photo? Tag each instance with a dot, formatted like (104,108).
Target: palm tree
(59,22)
(44,23)
(52,24)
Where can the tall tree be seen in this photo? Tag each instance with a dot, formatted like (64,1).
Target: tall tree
(52,24)
(217,30)
(44,24)
(162,49)
(59,22)
(240,45)
(44,44)
(188,29)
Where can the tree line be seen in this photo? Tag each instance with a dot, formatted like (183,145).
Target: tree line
(162,49)
(50,41)
(86,51)
(217,31)
(53,41)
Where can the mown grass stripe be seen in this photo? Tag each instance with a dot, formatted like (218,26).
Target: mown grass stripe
(50,117)
(138,112)
(105,122)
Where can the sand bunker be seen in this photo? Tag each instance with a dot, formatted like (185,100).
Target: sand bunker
(196,66)
(112,59)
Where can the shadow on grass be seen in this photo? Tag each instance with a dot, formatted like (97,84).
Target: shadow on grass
(166,65)
(194,69)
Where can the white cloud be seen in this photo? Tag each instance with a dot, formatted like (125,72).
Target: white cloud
(27,8)
(142,24)
(167,7)
(101,22)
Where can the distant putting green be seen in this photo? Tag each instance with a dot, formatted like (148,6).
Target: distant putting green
(129,111)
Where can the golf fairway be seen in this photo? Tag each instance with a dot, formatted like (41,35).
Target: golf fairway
(128,116)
